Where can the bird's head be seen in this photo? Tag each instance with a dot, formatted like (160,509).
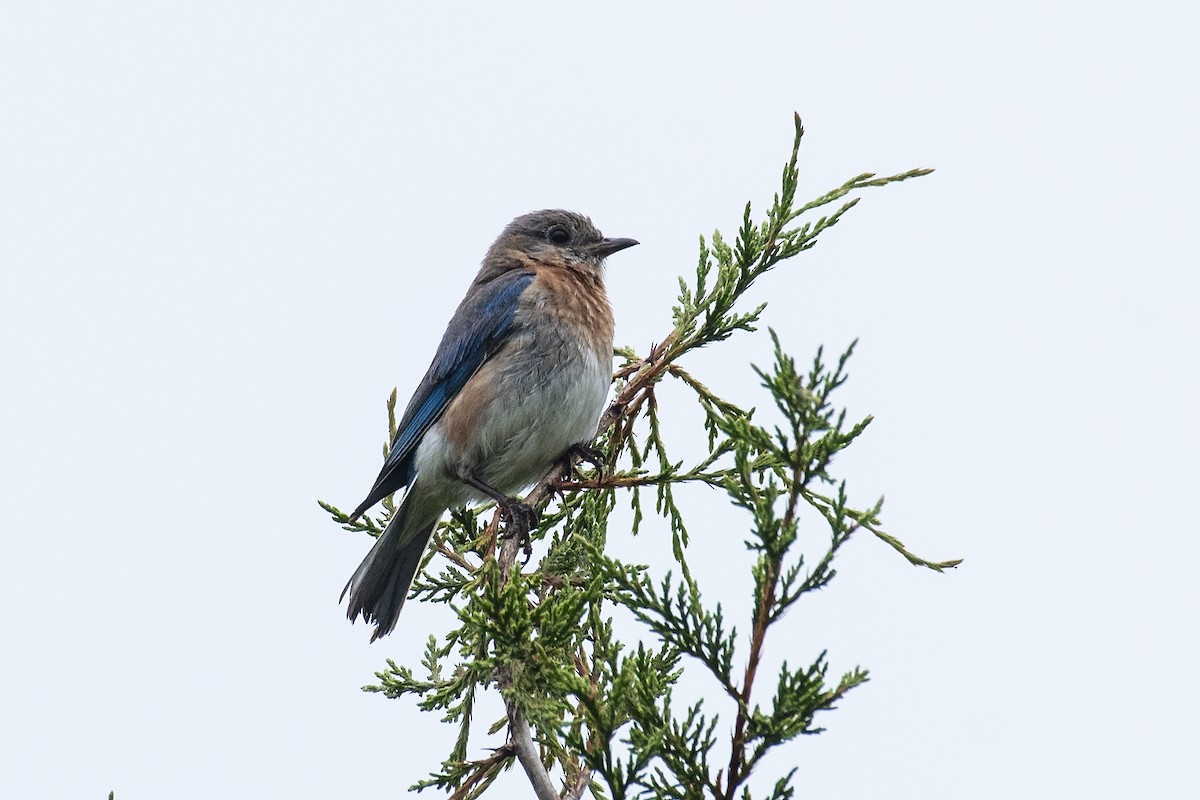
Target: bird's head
(554,238)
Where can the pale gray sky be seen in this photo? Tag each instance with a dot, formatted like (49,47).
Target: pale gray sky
(228,230)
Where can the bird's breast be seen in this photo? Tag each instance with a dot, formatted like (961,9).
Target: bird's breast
(573,303)
(540,393)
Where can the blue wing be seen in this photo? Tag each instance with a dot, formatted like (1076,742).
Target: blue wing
(479,326)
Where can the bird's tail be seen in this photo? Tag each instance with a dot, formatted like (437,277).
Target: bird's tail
(380,585)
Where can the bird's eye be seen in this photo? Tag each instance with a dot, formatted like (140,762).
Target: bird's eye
(558,235)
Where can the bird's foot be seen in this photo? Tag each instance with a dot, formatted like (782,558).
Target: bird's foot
(519,519)
(588,454)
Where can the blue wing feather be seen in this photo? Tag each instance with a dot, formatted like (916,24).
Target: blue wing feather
(479,326)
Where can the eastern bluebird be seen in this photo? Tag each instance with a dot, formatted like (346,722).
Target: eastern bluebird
(519,379)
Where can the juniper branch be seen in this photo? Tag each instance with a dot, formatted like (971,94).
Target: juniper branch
(541,637)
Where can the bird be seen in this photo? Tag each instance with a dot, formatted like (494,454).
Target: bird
(519,379)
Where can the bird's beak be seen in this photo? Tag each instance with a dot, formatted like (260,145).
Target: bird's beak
(606,247)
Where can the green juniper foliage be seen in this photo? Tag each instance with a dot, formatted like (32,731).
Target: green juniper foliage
(603,711)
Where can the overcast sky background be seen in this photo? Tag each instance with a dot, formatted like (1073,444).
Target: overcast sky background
(228,230)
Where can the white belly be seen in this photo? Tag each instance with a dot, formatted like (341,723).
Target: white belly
(548,405)
(533,426)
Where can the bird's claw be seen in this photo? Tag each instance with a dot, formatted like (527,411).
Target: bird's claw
(519,519)
(590,455)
